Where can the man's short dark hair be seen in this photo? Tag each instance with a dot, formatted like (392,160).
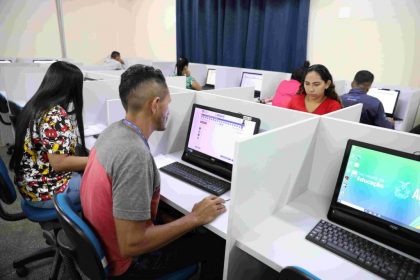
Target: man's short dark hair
(136,76)
(115,54)
(363,76)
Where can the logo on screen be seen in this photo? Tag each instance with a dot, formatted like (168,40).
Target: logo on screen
(402,191)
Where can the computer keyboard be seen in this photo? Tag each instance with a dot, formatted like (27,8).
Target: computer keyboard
(197,178)
(369,255)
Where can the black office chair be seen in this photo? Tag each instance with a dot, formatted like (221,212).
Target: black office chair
(15,110)
(296,273)
(4,110)
(47,218)
(79,241)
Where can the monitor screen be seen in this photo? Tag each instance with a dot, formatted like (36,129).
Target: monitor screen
(251,80)
(213,132)
(211,77)
(46,61)
(382,185)
(388,98)
(5,61)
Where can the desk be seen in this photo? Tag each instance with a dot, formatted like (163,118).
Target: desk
(182,196)
(279,241)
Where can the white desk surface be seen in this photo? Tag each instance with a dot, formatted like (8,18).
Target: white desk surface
(279,241)
(182,196)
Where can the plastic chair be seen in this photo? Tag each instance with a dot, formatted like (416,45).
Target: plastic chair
(296,273)
(47,218)
(86,249)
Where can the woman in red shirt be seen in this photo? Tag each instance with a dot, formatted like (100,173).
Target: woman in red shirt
(317,93)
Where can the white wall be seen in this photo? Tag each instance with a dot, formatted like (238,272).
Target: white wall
(29,28)
(378,35)
(141,28)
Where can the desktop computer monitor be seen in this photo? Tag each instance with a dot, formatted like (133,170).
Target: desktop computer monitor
(378,194)
(388,97)
(212,135)
(211,77)
(252,80)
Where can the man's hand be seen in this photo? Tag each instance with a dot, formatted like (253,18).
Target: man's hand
(208,209)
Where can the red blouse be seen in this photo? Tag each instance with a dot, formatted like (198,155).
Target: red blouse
(328,105)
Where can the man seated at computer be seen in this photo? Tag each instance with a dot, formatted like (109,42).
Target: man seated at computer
(121,189)
(373,111)
(115,60)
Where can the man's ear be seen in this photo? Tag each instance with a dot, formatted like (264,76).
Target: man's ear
(155,104)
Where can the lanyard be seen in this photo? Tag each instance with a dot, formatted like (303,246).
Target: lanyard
(136,130)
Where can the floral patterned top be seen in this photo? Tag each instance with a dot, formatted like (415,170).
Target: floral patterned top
(53,132)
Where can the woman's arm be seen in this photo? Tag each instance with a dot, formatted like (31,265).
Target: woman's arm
(65,163)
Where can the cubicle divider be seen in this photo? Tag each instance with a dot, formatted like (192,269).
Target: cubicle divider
(167,67)
(243,93)
(271,81)
(103,75)
(275,203)
(351,113)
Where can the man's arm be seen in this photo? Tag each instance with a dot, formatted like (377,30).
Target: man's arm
(381,120)
(136,238)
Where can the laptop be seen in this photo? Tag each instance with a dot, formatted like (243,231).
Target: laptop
(210,145)
(252,80)
(378,194)
(210,79)
(388,97)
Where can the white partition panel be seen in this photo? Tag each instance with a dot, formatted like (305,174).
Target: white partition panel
(408,113)
(115,110)
(271,81)
(227,77)
(342,87)
(103,75)
(95,94)
(178,81)
(136,60)
(265,177)
(21,82)
(245,93)
(167,67)
(351,113)
(173,138)
(271,116)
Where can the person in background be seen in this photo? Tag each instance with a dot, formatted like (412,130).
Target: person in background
(182,70)
(115,61)
(317,93)
(288,88)
(44,159)
(373,111)
(120,192)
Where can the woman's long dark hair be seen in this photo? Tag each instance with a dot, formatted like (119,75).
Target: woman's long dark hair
(325,76)
(62,85)
(180,64)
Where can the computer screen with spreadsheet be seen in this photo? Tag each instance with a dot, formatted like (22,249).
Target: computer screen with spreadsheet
(252,80)
(379,186)
(212,135)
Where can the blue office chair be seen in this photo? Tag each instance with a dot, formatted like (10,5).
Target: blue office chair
(296,273)
(86,249)
(47,218)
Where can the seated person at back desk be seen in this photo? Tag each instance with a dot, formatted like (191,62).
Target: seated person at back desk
(120,192)
(182,70)
(287,88)
(115,60)
(317,93)
(373,111)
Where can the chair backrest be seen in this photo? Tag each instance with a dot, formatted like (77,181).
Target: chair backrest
(296,273)
(88,252)
(15,110)
(7,189)
(4,108)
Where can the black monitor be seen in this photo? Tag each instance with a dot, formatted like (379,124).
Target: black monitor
(252,80)
(211,77)
(378,194)
(211,138)
(388,97)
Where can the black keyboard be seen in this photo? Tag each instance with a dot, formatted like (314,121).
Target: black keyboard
(197,178)
(369,255)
